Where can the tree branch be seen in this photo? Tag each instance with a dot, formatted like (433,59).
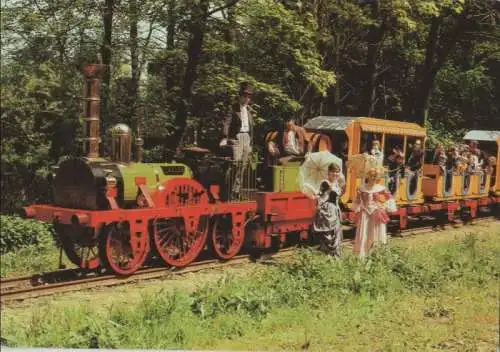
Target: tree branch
(220,8)
(305,92)
(146,43)
(443,54)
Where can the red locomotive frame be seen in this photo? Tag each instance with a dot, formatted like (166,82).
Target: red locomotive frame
(272,214)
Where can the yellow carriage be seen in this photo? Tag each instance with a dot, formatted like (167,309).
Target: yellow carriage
(352,135)
(483,183)
(441,184)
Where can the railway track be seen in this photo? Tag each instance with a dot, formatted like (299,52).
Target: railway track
(25,287)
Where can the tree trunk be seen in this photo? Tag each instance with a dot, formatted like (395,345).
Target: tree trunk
(375,37)
(197,31)
(337,69)
(172,20)
(426,73)
(434,61)
(106,54)
(229,35)
(134,55)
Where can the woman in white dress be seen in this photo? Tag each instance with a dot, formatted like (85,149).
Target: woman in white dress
(371,205)
(327,223)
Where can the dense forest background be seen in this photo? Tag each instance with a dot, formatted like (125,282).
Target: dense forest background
(175,66)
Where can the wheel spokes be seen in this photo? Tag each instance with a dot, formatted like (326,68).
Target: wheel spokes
(80,247)
(175,246)
(226,241)
(123,255)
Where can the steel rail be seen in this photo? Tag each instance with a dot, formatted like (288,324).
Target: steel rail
(19,288)
(32,286)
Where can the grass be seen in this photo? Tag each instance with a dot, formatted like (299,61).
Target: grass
(404,298)
(30,260)
(27,247)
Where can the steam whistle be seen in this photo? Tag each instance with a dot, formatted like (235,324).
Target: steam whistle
(139,149)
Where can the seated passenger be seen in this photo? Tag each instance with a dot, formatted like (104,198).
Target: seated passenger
(396,164)
(474,147)
(474,164)
(483,158)
(294,138)
(450,166)
(415,164)
(376,152)
(490,166)
(394,158)
(452,159)
(463,160)
(415,159)
(293,141)
(440,157)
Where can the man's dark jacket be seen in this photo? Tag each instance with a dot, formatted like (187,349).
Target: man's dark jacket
(233,123)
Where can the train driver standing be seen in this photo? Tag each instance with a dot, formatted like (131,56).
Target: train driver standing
(238,130)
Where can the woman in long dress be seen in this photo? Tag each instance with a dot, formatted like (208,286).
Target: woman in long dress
(371,205)
(327,223)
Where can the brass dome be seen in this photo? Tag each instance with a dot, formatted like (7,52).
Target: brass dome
(121,143)
(120,129)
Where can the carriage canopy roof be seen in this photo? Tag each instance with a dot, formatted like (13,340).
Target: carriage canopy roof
(367,124)
(489,136)
(329,123)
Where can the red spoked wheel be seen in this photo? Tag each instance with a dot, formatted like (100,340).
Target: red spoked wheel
(226,240)
(80,245)
(177,246)
(121,251)
(180,192)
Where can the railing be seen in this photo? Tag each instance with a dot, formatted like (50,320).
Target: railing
(241,182)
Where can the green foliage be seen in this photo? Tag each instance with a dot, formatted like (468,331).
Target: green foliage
(17,233)
(465,91)
(27,247)
(282,47)
(446,137)
(312,278)
(36,130)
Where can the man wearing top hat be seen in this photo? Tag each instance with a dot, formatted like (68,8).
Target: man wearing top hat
(239,132)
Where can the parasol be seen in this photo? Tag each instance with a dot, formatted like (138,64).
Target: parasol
(362,163)
(314,170)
